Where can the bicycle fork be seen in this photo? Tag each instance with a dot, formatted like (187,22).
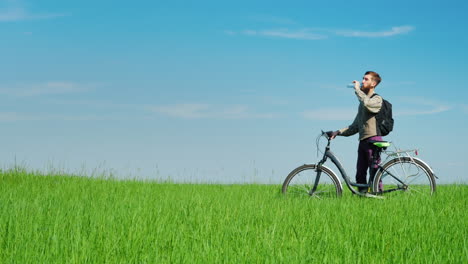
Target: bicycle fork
(318,169)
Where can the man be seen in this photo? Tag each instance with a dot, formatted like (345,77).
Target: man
(365,124)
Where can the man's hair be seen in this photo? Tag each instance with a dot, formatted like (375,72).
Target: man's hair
(375,76)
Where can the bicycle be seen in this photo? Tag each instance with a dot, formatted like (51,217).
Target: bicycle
(401,171)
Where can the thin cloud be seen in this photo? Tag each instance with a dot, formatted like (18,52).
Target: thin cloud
(303,34)
(376,34)
(330,114)
(420,106)
(16,12)
(204,111)
(16,116)
(320,33)
(12,116)
(47,88)
(230,32)
(188,111)
(98,104)
(273,20)
(274,100)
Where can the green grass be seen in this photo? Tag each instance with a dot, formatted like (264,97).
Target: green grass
(65,219)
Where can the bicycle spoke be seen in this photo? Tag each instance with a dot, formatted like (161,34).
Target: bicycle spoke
(302,182)
(415,178)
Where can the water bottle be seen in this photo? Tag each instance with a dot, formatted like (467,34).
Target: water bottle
(351,85)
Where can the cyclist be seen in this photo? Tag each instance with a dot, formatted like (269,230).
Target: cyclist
(365,124)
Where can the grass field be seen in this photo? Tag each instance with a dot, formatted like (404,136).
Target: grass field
(69,219)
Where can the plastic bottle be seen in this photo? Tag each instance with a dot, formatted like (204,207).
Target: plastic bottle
(351,85)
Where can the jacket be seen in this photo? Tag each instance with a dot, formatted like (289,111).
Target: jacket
(365,122)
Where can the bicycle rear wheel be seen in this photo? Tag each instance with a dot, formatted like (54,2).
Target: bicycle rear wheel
(308,181)
(405,174)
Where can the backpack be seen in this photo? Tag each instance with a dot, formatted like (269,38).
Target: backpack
(384,118)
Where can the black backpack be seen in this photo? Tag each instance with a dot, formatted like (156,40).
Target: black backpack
(384,118)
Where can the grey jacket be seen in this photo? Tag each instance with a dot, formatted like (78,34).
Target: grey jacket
(364,122)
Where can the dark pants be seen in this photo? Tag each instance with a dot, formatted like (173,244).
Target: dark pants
(366,151)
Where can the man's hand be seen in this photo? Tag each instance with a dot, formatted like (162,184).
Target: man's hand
(357,85)
(332,134)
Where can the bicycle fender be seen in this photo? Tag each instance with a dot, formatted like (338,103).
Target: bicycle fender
(325,168)
(425,164)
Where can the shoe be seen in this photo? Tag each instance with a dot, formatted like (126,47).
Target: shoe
(362,190)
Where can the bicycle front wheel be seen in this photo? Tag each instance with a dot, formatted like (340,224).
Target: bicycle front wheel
(309,181)
(405,174)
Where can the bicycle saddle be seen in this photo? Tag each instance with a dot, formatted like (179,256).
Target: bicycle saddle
(380,144)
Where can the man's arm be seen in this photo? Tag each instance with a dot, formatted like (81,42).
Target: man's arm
(351,129)
(372,103)
(347,131)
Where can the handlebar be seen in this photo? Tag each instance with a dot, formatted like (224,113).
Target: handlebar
(326,134)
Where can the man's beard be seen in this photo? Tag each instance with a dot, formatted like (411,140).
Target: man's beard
(365,89)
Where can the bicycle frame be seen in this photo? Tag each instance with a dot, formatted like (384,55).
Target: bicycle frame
(329,154)
(399,171)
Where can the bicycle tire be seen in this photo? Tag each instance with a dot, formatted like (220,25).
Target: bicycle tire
(414,177)
(301,181)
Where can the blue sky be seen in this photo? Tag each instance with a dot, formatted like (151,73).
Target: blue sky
(224,91)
